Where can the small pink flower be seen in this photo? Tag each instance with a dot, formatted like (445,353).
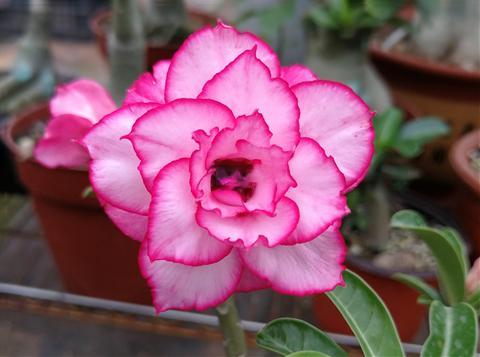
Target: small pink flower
(75,108)
(473,278)
(236,181)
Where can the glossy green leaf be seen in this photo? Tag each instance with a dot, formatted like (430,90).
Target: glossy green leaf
(307,354)
(287,335)
(418,284)
(416,133)
(453,331)
(457,242)
(450,262)
(367,316)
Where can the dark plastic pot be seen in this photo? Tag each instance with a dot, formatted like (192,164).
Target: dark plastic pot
(434,89)
(99,26)
(94,258)
(468,203)
(400,299)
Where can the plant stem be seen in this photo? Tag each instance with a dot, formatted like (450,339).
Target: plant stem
(234,337)
(126,47)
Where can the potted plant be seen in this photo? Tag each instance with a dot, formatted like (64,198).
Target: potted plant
(465,160)
(453,308)
(31,79)
(93,257)
(436,68)
(329,36)
(375,251)
(52,164)
(166,24)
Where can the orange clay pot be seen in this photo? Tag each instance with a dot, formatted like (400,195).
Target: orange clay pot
(93,257)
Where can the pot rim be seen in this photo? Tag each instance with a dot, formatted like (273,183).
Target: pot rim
(458,159)
(9,136)
(421,64)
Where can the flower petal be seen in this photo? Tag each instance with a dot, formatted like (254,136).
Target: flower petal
(149,88)
(246,230)
(302,269)
(251,282)
(251,128)
(270,173)
(173,233)
(245,86)
(59,152)
(207,52)
(85,98)
(133,225)
(319,191)
(165,134)
(340,121)
(184,287)
(296,74)
(60,145)
(114,167)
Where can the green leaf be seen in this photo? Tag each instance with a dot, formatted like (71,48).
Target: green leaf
(456,241)
(387,127)
(383,9)
(307,354)
(287,335)
(322,18)
(474,300)
(416,133)
(401,173)
(367,316)
(450,262)
(424,300)
(418,284)
(453,331)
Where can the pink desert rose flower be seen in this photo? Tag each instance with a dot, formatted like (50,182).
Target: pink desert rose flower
(75,108)
(232,172)
(473,278)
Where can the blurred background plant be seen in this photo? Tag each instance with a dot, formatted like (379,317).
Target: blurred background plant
(32,77)
(396,142)
(330,36)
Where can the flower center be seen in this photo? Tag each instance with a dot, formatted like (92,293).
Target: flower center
(232,174)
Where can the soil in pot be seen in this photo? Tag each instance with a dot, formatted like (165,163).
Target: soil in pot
(404,253)
(93,257)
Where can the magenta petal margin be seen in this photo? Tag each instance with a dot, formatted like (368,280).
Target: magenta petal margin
(234,174)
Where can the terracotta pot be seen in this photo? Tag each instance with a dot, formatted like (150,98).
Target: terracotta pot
(468,204)
(93,257)
(434,89)
(100,22)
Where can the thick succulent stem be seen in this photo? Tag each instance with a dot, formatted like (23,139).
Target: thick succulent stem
(126,47)
(163,19)
(378,212)
(233,334)
(32,75)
